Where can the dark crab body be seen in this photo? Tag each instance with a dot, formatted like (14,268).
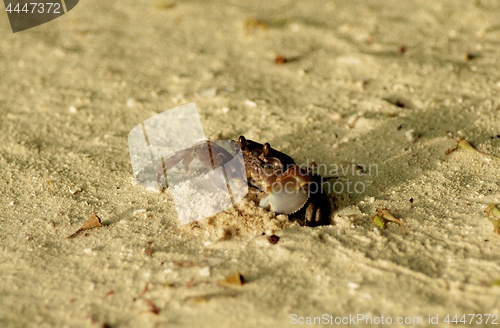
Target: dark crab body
(284,187)
(287,188)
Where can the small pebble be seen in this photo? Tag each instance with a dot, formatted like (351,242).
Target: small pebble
(351,121)
(75,190)
(411,136)
(73,109)
(131,102)
(208,93)
(250,103)
(352,285)
(140,211)
(280,60)
(369,200)
(148,251)
(205,272)
(59,53)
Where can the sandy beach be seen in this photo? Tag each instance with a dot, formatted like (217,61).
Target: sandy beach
(379,92)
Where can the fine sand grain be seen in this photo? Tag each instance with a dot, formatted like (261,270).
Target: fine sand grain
(376,91)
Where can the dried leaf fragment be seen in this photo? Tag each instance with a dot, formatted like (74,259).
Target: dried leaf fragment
(235,279)
(461,144)
(493,215)
(109,293)
(152,307)
(149,250)
(496,283)
(492,210)
(183,264)
(197,299)
(465,145)
(384,215)
(379,221)
(253,24)
(280,60)
(165,4)
(92,222)
(144,290)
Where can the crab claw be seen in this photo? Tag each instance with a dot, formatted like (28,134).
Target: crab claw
(288,193)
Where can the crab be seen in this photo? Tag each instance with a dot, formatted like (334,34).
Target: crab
(283,187)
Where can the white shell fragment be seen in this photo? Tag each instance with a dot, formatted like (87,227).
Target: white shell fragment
(75,190)
(250,103)
(140,211)
(411,136)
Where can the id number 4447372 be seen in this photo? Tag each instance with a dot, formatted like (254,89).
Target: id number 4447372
(471,319)
(34,8)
